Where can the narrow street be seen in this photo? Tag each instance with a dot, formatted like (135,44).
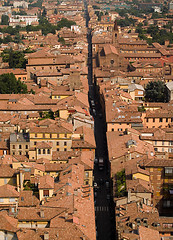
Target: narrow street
(104,208)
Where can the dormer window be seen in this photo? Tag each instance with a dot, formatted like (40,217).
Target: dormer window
(112,61)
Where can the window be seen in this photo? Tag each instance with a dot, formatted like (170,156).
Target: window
(13,146)
(168,171)
(44,151)
(35,135)
(167,225)
(65,149)
(167,203)
(153,119)
(158,177)
(39,151)
(65,135)
(87,174)
(45,193)
(160,119)
(48,151)
(1,200)
(112,61)
(14,181)
(20,146)
(35,143)
(112,129)
(65,143)
(166,119)
(155,143)
(24,78)
(57,143)
(147,120)
(20,153)
(12,199)
(163,143)
(170,150)
(26,146)
(155,149)
(57,149)
(22,199)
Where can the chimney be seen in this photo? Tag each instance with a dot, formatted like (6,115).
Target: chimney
(129,196)
(42,213)
(166,43)
(21,180)
(46,236)
(66,215)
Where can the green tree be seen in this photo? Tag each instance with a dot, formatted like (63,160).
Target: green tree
(9,84)
(156,92)
(44,13)
(61,40)
(64,22)
(45,115)
(17,59)
(36,4)
(121,184)
(4,20)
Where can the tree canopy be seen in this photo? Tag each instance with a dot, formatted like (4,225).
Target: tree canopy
(44,26)
(4,20)
(9,84)
(156,92)
(16,59)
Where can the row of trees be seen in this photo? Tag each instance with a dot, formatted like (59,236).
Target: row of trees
(158,35)
(44,26)
(126,22)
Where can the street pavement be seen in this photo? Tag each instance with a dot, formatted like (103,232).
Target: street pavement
(104,207)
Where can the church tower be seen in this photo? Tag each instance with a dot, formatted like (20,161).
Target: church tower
(115,35)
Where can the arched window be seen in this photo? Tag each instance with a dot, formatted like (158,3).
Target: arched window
(112,61)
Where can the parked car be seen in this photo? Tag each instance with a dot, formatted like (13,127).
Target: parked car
(107,184)
(108,197)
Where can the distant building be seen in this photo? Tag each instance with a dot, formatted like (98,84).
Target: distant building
(27,19)
(171,5)
(22,4)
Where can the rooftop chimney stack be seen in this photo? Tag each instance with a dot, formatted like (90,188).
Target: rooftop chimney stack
(46,236)
(42,213)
